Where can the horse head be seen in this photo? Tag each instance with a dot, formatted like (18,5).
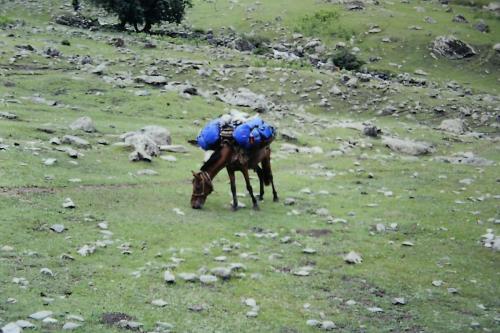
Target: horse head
(202,187)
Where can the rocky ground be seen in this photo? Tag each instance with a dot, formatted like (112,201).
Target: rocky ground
(388,179)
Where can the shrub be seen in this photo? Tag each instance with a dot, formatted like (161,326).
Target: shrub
(347,60)
(147,12)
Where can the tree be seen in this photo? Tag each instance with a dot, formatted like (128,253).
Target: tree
(145,12)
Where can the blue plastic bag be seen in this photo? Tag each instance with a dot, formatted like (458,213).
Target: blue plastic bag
(209,136)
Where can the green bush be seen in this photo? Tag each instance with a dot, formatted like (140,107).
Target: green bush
(323,23)
(147,12)
(4,20)
(347,60)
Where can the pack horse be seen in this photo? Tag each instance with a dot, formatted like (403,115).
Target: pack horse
(238,145)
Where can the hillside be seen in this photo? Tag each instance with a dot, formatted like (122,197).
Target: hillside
(417,200)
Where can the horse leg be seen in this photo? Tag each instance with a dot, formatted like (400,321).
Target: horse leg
(266,167)
(259,171)
(244,170)
(232,179)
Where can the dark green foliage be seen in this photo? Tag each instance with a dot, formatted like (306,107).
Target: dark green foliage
(346,60)
(145,12)
(323,23)
(260,42)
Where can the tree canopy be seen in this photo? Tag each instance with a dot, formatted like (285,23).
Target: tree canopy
(145,12)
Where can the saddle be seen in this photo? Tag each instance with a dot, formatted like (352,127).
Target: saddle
(240,155)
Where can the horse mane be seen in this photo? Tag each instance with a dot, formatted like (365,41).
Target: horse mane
(213,158)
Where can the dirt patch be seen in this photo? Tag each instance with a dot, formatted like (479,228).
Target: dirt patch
(113,318)
(315,232)
(25,190)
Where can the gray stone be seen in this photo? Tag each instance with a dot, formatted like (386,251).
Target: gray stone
(71,326)
(408,147)
(40,315)
(8,115)
(75,141)
(353,258)
(452,48)
(328,325)
(222,272)
(84,124)
(208,279)
(188,277)
(156,80)
(168,277)
(11,328)
(245,97)
(456,126)
(57,228)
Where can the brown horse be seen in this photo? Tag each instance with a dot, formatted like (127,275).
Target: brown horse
(228,157)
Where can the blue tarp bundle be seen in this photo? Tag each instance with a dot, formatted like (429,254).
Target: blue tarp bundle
(210,135)
(250,134)
(253,133)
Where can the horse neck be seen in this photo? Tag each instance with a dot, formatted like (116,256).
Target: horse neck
(217,166)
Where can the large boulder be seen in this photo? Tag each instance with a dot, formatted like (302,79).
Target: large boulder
(452,48)
(456,126)
(155,80)
(147,142)
(77,21)
(245,97)
(84,123)
(407,146)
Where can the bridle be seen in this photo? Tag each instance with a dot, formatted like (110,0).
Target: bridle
(206,181)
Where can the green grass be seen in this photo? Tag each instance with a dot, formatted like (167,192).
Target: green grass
(139,209)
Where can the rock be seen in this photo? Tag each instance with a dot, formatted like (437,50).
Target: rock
(245,97)
(99,69)
(40,315)
(46,271)
(84,123)
(482,26)
(25,324)
(174,149)
(75,141)
(222,272)
(188,277)
(437,283)
(408,147)
(375,309)
(399,301)
(156,80)
(86,250)
(76,20)
(242,44)
(407,243)
(71,326)
(208,279)
(49,161)
(252,314)
(353,258)
(468,158)
(452,48)
(372,131)
(146,172)
(456,126)
(313,323)
(328,325)
(11,328)
(496,47)
(159,302)
(68,203)
(147,142)
(50,321)
(168,277)
(8,115)
(308,250)
(459,19)
(57,228)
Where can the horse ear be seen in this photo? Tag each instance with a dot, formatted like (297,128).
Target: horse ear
(194,173)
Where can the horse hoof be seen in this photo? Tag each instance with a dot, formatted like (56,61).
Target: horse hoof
(275,199)
(234,208)
(256,207)
(261,198)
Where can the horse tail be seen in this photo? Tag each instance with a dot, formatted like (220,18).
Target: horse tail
(267,174)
